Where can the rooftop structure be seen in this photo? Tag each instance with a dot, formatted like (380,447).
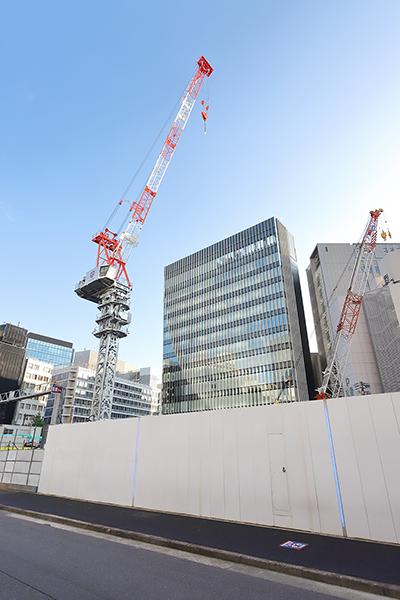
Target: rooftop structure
(90,358)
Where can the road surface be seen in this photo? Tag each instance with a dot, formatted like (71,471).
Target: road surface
(40,560)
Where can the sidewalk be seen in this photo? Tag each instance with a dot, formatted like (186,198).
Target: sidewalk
(367,566)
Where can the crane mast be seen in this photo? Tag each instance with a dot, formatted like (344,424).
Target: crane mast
(335,370)
(108,283)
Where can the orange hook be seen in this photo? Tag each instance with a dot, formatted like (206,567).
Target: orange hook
(205,115)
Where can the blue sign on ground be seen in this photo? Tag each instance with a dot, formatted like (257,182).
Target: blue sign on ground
(294,545)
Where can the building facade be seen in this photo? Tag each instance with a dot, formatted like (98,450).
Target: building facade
(12,363)
(234,325)
(328,275)
(131,397)
(37,378)
(382,310)
(49,350)
(89,357)
(12,356)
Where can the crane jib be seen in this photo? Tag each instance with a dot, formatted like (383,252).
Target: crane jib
(333,375)
(116,252)
(108,284)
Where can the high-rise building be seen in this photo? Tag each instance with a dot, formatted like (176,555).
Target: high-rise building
(49,350)
(382,311)
(329,274)
(234,325)
(12,363)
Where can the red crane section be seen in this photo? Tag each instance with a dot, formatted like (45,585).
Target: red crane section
(352,304)
(335,370)
(115,252)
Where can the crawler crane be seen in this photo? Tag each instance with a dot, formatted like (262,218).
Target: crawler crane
(107,284)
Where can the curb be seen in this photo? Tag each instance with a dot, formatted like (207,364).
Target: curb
(355,583)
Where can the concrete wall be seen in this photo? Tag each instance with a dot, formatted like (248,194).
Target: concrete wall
(269,465)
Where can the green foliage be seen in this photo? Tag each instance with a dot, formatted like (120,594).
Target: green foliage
(37,421)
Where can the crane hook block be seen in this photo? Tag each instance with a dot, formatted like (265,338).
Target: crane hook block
(205,117)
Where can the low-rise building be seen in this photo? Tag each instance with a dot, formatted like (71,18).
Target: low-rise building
(37,378)
(132,397)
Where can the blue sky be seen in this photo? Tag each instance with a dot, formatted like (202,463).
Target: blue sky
(303,125)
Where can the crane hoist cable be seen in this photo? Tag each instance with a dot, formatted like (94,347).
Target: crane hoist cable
(335,370)
(107,284)
(383,233)
(286,382)
(114,249)
(206,105)
(132,181)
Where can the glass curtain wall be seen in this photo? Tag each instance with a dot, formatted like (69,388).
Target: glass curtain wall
(48,350)
(231,325)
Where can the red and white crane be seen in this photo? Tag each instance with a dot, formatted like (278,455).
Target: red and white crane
(108,283)
(334,373)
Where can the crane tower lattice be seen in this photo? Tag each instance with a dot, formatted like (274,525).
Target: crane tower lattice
(108,283)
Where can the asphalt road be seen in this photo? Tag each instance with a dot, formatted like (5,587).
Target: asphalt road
(355,558)
(39,561)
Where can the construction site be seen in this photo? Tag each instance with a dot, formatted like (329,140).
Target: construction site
(199,368)
(296,450)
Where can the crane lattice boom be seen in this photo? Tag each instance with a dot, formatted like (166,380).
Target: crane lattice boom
(108,283)
(116,252)
(334,372)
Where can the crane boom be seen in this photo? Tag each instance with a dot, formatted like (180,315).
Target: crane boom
(116,252)
(335,370)
(108,283)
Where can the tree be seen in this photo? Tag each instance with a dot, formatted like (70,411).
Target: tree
(37,421)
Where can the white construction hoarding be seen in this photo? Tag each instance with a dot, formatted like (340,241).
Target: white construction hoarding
(267,465)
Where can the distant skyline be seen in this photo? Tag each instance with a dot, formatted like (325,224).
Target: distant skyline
(303,125)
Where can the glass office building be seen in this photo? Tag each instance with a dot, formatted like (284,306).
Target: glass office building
(234,325)
(49,350)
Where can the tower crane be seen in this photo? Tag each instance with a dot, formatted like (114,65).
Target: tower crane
(334,373)
(107,284)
